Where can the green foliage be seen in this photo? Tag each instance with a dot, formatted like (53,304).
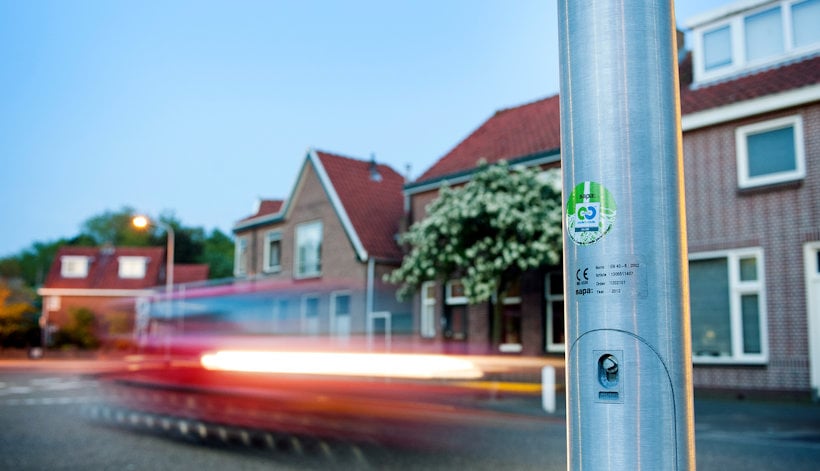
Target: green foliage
(505,221)
(115,228)
(18,317)
(80,331)
(218,253)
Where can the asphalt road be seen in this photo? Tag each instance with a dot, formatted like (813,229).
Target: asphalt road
(53,415)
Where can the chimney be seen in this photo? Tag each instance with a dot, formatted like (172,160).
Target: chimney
(374,169)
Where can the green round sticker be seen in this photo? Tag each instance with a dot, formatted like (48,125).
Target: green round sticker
(590,213)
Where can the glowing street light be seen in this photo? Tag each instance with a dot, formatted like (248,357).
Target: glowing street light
(141,222)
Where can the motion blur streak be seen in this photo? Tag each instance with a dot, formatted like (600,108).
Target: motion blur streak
(344,364)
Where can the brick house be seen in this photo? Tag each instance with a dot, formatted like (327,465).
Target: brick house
(326,249)
(107,281)
(750,100)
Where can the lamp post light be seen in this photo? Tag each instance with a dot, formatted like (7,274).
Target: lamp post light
(141,222)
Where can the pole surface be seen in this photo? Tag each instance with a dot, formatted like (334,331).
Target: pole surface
(629,375)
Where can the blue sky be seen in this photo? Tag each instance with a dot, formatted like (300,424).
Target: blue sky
(200,107)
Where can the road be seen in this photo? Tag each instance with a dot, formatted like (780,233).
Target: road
(54,415)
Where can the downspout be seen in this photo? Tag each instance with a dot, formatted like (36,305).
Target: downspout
(369,301)
(371,272)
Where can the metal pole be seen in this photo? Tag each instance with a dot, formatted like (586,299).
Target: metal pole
(629,375)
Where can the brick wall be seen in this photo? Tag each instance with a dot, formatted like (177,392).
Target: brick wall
(778,219)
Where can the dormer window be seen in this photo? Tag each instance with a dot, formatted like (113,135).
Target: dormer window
(132,267)
(727,43)
(74,266)
(717,48)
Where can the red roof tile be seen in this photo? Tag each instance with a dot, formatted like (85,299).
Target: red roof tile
(190,272)
(374,206)
(103,269)
(266,208)
(759,84)
(510,133)
(534,128)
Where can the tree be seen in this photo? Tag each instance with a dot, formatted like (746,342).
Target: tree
(218,254)
(505,221)
(115,228)
(18,324)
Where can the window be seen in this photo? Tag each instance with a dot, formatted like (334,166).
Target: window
(74,266)
(511,320)
(455,311)
(310,315)
(728,308)
(757,38)
(554,293)
(273,252)
(240,263)
(770,152)
(764,34)
(428,309)
(52,303)
(805,18)
(308,249)
(340,302)
(132,267)
(717,48)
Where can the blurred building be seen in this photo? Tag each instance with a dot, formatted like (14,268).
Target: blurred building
(750,100)
(106,281)
(327,248)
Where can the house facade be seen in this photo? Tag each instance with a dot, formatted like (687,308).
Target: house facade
(750,100)
(106,281)
(326,249)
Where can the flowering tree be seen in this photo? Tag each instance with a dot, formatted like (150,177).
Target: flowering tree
(505,221)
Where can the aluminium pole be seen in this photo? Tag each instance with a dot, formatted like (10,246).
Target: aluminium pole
(629,373)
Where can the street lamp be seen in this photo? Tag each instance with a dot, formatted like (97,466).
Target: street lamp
(141,222)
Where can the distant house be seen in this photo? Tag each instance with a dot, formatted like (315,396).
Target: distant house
(750,99)
(327,248)
(107,281)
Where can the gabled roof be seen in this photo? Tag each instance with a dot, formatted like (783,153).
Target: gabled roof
(522,131)
(533,129)
(103,269)
(368,198)
(368,208)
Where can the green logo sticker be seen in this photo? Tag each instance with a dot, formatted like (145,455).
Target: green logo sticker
(590,213)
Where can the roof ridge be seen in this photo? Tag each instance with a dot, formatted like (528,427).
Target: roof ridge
(529,103)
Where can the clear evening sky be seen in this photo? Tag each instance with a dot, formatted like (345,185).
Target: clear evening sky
(200,107)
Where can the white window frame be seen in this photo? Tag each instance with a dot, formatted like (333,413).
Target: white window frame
(272,236)
(737,289)
(334,314)
(53,303)
(74,266)
(741,141)
(427,322)
(132,267)
(311,329)
(739,61)
(240,261)
(298,269)
(550,297)
(448,294)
